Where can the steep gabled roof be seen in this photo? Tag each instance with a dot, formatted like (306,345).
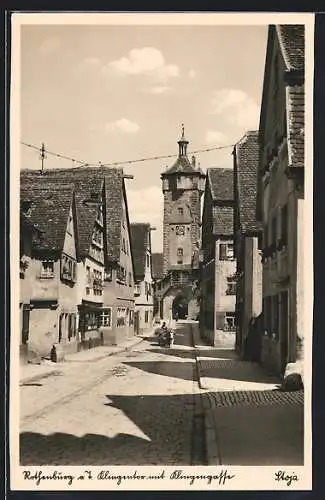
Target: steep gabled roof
(139,243)
(245,178)
(48,212)
(292,43)
(85,183)
(88,183)
(157,265)
(221,184)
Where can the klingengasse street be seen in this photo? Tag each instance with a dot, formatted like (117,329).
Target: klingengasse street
(144,406)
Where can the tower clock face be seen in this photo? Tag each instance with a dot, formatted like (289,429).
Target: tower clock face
(180,230)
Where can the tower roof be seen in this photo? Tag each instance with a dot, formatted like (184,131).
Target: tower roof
(182,164)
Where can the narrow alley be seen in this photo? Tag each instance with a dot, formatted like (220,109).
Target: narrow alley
(188,405)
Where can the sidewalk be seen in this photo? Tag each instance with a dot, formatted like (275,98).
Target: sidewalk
(30,373)
(248,421)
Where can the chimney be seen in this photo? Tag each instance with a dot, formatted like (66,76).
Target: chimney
(193,161)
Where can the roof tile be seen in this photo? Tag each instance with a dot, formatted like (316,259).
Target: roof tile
(140,237)
(221,183)
(157,265)
(247,161)
(292,42)
(48,212)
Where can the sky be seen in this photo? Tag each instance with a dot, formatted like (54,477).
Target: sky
(115,93)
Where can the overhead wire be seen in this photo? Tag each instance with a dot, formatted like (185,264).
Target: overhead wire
(77,163)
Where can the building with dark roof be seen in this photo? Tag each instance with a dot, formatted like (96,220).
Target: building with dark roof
(218,286)
(280,197)
(51,273)
(143,288)
(105,283)
(247,232)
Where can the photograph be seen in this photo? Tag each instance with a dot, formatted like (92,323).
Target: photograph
(161,309)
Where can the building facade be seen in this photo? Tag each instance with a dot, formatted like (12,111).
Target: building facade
(28,232)
(218,269)
(182,185)
(143,288)
(280,199)
(247,234)
(52,269)
(93,279)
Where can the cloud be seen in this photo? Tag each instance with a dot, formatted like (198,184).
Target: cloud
(146,205)
(241,109)
(215,137)
(147,61)
(163,89)
(122,125)
(192,73)
(49,46)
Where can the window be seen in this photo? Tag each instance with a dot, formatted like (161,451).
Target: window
(97,282)
(68,268)
(284,225)
(231,286)
(146,316)
(179,256)
(106,317)
(137,289)
(121,317)
(180,230)
(92,320)
(148,260)
(180,211)
(229,321)
(226,251)
(88,276)
(98,237)
(47,269)
(130,278)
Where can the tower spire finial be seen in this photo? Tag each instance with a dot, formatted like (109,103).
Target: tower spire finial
(183,131)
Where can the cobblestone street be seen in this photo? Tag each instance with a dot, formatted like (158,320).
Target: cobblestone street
(151,406)
(139,407)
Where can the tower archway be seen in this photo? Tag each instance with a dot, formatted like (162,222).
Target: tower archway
(180,306)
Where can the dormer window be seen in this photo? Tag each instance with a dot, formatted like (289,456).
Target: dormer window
(180,211)
(47,269)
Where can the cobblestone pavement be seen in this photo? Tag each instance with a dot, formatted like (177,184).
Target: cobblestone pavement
(135,408)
